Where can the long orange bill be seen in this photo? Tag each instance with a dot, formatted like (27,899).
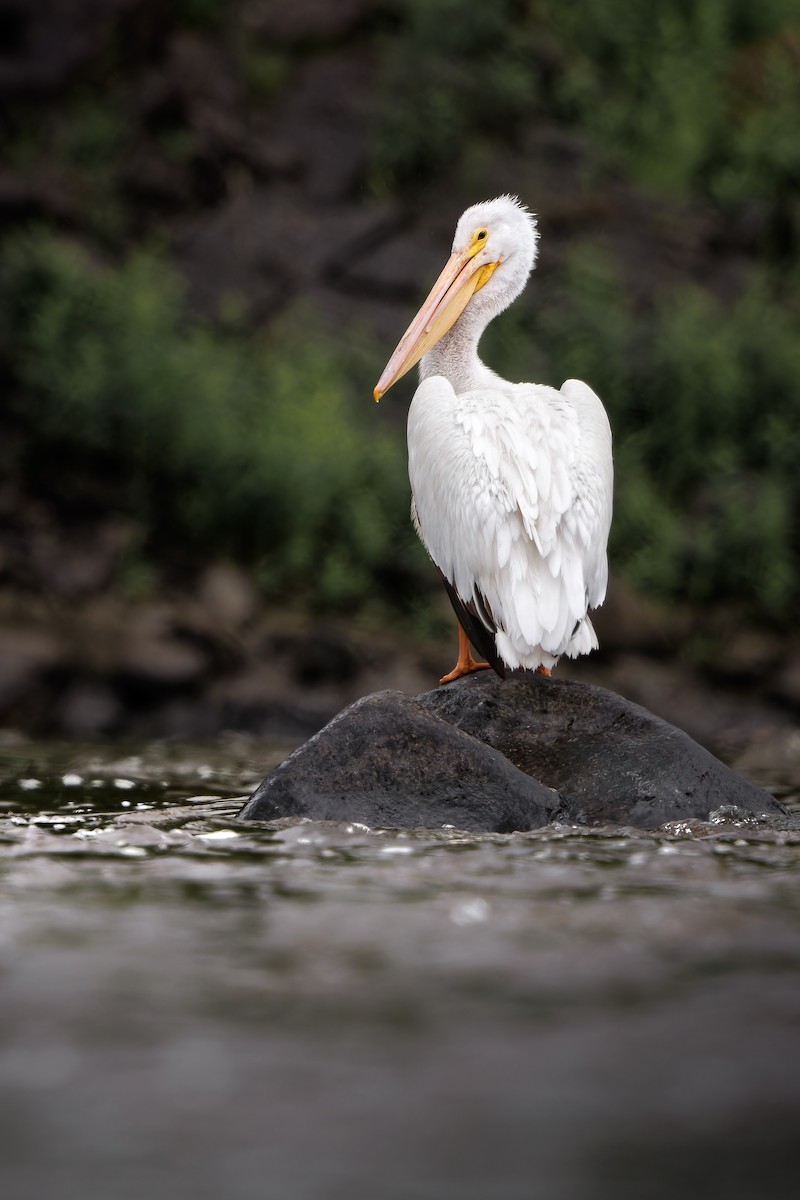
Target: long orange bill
(449,296)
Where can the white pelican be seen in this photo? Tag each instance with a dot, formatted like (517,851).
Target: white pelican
(511,482)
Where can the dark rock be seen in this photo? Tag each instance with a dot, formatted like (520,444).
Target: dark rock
(749,655)
(320,656)
(263,700)
(26,655)
(186,719)
(721,720)
(323,117)
(199,71)
(48,43)
(303,20)
(35,197)
(630,622)
(150,658)
(772,755)
(389,269)
(148,179)
(228,594)
(786,685)
(236,253)
(161,664)
(70,565)
(88,709)
(611,760)
(389,762)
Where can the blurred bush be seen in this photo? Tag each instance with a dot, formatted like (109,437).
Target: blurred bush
(452,72)
(680,93)
(677,95)
(266,451)
(216,442)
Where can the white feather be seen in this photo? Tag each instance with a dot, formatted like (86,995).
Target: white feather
(512,483)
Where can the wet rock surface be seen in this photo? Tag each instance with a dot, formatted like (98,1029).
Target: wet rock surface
(457,756)
(387,761)
(611,760)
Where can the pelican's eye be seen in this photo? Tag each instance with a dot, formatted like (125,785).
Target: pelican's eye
(478,240)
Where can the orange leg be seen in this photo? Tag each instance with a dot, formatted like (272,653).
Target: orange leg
(466,663)
(540,670)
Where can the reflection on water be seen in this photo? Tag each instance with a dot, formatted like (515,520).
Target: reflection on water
(196,1006)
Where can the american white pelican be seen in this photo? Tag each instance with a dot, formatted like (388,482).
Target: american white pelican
(511,482)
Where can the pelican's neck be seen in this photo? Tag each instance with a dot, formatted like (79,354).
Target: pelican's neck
(455,356)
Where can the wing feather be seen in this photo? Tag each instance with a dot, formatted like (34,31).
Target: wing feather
(512,487)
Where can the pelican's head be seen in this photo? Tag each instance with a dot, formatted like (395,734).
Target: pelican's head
(494,251)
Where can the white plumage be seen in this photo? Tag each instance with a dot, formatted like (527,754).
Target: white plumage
(511,483)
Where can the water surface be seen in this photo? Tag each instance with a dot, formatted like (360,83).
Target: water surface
(194,1006)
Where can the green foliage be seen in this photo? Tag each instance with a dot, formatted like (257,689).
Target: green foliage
(683,94)
(251,449)
(203,15)
(721,434)
(269,451)
(676,94)
(644,80)
(764,160)
(264,70)
(95,133)
(454,74)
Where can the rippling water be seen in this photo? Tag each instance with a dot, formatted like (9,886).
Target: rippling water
(192,1006)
